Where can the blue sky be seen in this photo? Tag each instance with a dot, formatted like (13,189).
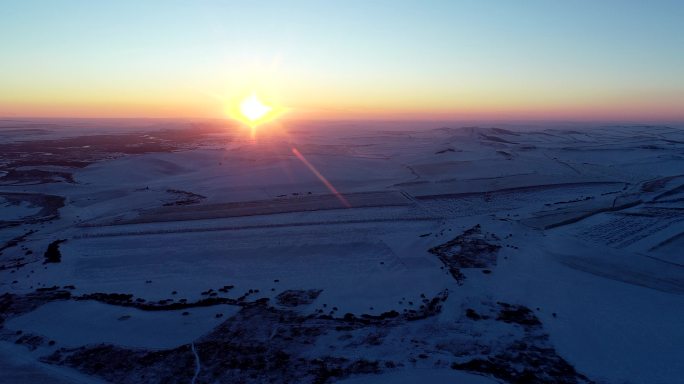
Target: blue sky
(470,58)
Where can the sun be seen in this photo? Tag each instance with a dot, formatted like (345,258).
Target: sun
(252,112)
(253,109)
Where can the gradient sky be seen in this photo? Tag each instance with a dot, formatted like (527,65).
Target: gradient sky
(572,60)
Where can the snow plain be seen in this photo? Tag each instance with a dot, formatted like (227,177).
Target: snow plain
(588,222)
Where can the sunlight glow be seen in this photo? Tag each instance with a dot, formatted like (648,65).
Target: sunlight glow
(253,109)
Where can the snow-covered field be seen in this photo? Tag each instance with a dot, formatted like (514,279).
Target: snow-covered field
(381,254)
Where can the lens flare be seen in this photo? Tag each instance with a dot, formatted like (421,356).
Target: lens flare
(322,178)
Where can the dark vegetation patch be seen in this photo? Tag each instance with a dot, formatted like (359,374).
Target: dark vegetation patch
(35,176)
(505,154)
(502,131)
(295,298)
(80,151)
(670,192)
(577,200)
(222,362)
(531,359)
(127,300)
(410,183)
(430,307)
(260,344)
(12,305)
(52,254)
(14,127)
(49,289)
(471,249)
(30,341)
(16,240)
(50,205)
(473,315)
(525,363)
(210,298)
(653,147)
(517,314)
(184,198)
(657,184)
(15,262)
(495,139)
(265,344)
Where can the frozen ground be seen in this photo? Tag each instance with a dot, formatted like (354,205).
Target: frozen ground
(146,252)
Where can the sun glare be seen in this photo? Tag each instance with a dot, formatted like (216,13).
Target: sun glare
(253,112)
(253,109)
